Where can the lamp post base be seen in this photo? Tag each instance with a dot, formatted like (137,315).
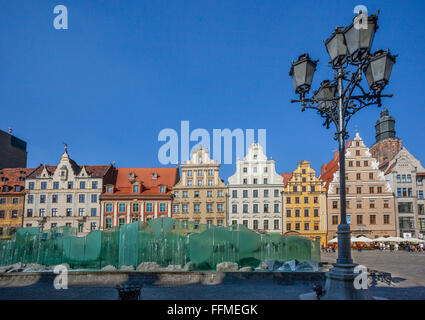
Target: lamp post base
(340,284)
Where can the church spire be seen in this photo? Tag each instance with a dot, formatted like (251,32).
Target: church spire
(385,126)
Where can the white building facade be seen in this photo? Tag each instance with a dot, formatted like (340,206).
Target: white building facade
(256,193)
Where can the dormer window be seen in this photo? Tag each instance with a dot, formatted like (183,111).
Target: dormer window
(136,188)
(3,179)
(162,189)
(131,175)
(154,176)
(109,189)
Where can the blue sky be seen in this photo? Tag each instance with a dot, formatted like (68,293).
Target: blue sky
(125,70)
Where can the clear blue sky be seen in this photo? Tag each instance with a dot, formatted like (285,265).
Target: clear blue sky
(124,70)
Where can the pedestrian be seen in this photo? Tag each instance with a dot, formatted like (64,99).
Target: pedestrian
(421,247)
(396,247)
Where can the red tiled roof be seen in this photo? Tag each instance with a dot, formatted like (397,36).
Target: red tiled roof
(328,170)
(286,177)
(165,177)
(13,177)
(387,171)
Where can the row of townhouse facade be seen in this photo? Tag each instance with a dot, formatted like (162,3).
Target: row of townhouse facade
(384,193)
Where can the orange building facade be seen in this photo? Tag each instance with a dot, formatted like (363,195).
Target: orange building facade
(137,194)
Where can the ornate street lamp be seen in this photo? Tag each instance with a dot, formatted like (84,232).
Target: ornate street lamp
(337,100)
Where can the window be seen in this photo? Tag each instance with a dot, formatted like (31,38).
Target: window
(245,223)
(316,226)
(276,208)
(409,178)
(255,208)
(189,183)
(386,204)
(199,173)
(420,181)
(109,189)
(2,214)
(245,181)
(266,207)
(108,208)
(359,219)
(370,175)
(210,172)
(372,204)
(121,221)
(69,212)
(357,152)
(196,207)
(92,226)
(386,219)
(295,189)
(69,198)
(14,214)
(405,207)
(316,199)
(371,190)
(136,188)
(55,185)
(42,198)
(297,199)
(316,212)
(255,224)
(219,222)
(162,207)
(266,224)
(358,176)
(54,212)
(29,213)
(276,193)
(55,198)
(189,173)
(305,199)
(288,200)
(70,185)
(81,198)
(359,190)
(81,212)
(297,213)
(162,189)
(94,185)
(304,188)
(43,185)
(30,198)
(175,208)
(149,207)
(297,226)
(245,208)
(306,226)
(255,193)
(334,220)
(372,219)
(42,212)
(266,193)
(288,227)
(209,194)
(245,193)
(196,194)
(219,193)
(82,184)
(93,212)
(245,170)
(265,181)
(210,182)
(288,213)
(255,181)
(184,194)
(31,185)
(234,193)
(184,208)
(379,189)
(366,163)
(234,208)
(334,204)
(108,223)
(357,163)
(306,213)
(122,207)
(94,198)
(350,163)
(199,183)
(420,194)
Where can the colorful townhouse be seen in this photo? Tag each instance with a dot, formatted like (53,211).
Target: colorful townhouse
(369,197)
(255,193)
(12,197)
(201,194)
(137,194)
(304,204)
(66,194)
(406,176)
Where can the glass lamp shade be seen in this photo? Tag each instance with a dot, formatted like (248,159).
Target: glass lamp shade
(302,72)
(378,70)
(336,46)
(359,36)
(326,91)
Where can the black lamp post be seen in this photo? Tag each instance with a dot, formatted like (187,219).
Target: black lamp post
(337,101)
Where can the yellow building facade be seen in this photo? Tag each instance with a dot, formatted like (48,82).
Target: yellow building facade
(304,211)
